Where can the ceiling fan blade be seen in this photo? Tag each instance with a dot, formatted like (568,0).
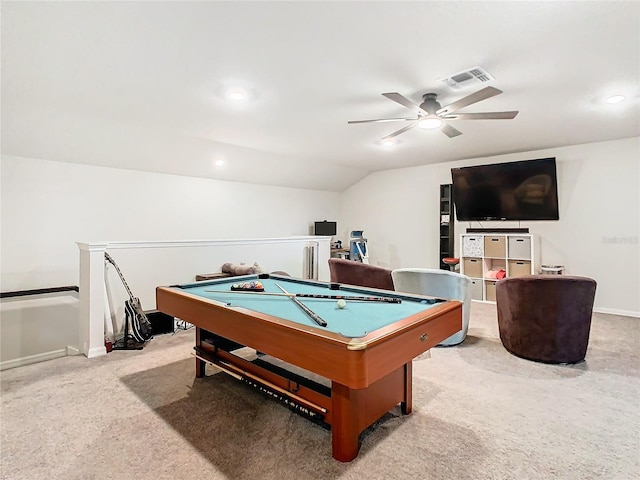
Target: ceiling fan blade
(449,131)
(396,133)
(482,116)
(382,120)
(405,102)
(480,95)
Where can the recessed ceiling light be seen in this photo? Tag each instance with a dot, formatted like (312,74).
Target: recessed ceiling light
(615,99)
(219,163)
(237,95)
(388,142)
(430,123)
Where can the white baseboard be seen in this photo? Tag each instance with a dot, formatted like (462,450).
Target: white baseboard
(614,311)
(72,350)
(40,357)
(608,311)
(97,351)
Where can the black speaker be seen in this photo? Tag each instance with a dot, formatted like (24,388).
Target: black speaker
(160,322)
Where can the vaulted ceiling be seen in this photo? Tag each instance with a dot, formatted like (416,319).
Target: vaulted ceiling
(143,85)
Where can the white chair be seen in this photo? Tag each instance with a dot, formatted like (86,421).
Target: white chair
(440,284)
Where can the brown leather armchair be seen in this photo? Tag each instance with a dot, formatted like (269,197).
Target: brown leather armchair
(546,318)
(361,274)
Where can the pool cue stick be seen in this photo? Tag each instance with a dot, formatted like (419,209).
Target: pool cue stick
(313,295)
(314,316)
(354,298)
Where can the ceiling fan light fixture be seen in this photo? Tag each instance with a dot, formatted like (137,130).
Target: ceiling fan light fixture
(430,123)
(430,114)
(236,95)
(615,99)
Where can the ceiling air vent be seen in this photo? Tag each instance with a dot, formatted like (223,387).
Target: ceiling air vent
(466,78)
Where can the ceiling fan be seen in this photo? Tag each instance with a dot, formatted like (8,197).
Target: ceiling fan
(430,114)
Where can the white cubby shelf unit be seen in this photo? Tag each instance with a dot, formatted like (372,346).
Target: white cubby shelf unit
(483,254)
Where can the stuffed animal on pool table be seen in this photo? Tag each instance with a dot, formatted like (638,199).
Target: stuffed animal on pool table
(241,268)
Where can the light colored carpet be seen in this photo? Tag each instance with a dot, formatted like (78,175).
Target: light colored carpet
(479,413)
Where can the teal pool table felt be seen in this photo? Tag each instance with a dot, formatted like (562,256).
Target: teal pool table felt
(356,320)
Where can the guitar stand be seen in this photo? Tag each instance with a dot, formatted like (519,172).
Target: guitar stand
(127,343)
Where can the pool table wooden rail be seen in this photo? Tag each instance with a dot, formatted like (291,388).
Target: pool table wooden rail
(355,363)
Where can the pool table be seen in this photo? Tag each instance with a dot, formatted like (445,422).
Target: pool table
(364,352)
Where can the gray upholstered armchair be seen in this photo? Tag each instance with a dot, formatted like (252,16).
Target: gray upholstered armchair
(546,318)
(441,284)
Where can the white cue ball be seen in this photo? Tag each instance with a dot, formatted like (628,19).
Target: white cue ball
(342,303)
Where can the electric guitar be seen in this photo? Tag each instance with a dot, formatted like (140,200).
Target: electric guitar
(141,329)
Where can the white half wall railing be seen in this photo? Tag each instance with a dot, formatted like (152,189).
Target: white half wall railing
(146,265)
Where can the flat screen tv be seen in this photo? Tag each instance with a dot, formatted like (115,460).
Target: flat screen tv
(325,228)
(524,190)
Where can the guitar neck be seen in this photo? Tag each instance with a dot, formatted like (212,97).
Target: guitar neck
(124,282)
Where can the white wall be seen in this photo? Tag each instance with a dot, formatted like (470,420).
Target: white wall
(596,236)
(49,206)
(37,328)
(46,207)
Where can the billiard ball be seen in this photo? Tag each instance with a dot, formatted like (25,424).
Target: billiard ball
(341,303)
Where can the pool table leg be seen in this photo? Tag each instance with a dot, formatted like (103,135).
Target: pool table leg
(200,368)
(355,409)
(407,404)
(201,365)
(345,427)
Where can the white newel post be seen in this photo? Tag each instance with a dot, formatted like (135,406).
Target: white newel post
(92,299)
